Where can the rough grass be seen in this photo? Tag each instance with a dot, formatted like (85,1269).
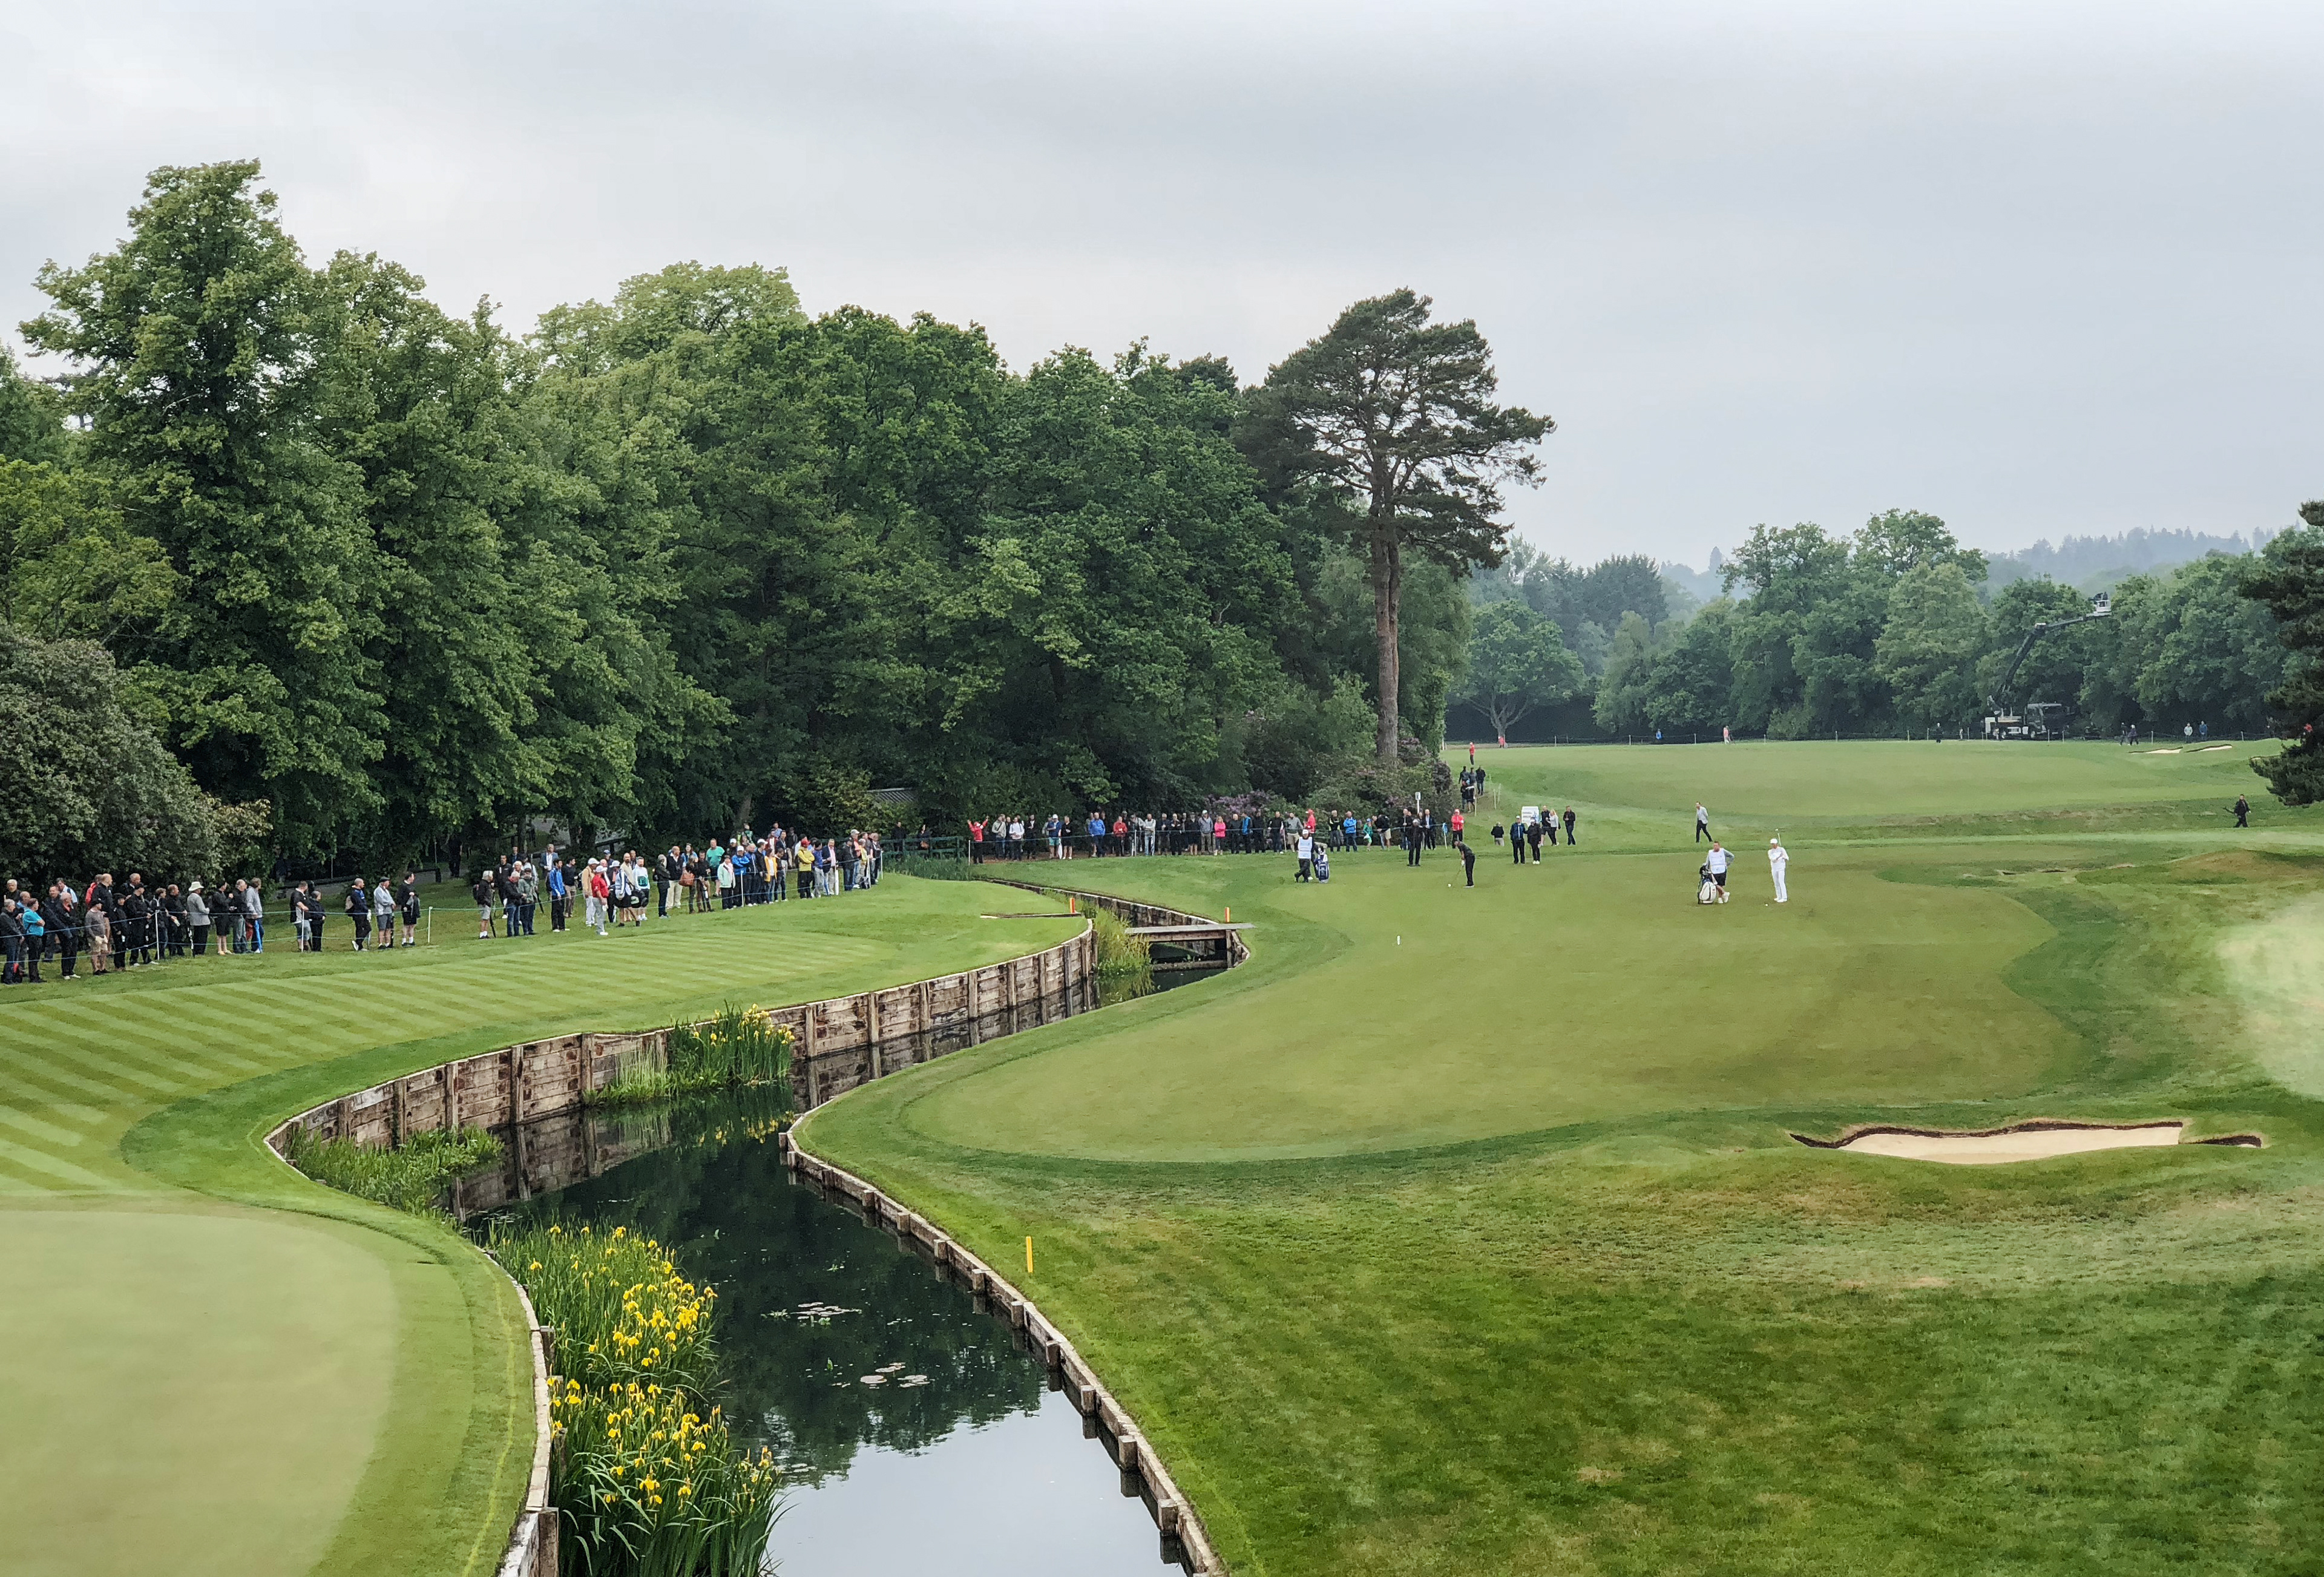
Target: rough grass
(346,1387)
(1487,1251)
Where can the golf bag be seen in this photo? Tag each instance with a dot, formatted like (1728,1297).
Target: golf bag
(1322,863)
(1708,891)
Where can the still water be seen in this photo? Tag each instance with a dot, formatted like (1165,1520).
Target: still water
(956,1458)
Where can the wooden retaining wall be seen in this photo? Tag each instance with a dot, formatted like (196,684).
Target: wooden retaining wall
(839,1044)
(518,1085)
(1174,1514)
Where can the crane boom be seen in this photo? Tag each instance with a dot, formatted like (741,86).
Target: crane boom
(2000,723)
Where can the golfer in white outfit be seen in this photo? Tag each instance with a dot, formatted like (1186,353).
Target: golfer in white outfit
(1778,857)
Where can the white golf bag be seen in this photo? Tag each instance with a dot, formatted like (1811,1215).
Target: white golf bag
(1708,891)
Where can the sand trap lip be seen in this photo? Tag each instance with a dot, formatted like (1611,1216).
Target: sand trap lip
(2020,1141)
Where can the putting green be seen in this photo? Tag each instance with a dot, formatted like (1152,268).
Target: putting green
(1859,779)
(267,1341)
(324,1385)
(1576,991)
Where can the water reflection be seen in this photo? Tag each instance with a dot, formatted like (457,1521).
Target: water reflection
(812,1298)
(916,1432)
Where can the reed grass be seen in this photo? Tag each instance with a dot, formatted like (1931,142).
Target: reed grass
(413,1177)
(737,1046)
(1118,951)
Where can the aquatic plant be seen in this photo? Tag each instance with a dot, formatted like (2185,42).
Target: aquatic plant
(644,1474)
(413,1177)
(1118,951)
(648,1483)
(621,1309)
(737,1046)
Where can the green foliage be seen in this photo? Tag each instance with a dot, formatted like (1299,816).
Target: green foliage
(32,418)
(2288,581)
(736,1046)
(1119,951)
(1389,419)
(1292,741)
(69,567)
(1516,662)
(414,1176)
(1625,687)
(2189,647)
(87,784)
(1927,651)
(200,370)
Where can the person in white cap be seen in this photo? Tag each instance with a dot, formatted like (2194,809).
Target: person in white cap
(1778,857)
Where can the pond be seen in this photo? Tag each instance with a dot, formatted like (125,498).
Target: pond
(917,1433)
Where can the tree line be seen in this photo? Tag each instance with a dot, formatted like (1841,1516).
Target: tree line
(293,561)
(296,563)
(1896,630)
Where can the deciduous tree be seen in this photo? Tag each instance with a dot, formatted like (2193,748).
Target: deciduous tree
(1516,662)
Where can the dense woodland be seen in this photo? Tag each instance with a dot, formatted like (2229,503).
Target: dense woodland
(1892,630)
(295,563)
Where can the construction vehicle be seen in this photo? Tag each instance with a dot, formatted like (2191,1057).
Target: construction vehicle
(2040,718)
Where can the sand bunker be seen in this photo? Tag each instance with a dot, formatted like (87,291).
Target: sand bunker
(2024,1141)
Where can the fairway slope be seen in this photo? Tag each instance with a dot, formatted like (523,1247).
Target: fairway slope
(1463,1230)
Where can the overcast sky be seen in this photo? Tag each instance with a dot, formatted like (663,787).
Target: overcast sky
(2040,268)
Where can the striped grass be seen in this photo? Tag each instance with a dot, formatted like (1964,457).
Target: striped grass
(153,1087)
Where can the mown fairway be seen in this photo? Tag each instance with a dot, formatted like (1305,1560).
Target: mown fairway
(1460,1232)
(192,1377)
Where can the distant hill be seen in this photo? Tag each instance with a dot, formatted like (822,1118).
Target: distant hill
(1700,584)
(2097,564)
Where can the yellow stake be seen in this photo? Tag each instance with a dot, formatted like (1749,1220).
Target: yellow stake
(1028,1256)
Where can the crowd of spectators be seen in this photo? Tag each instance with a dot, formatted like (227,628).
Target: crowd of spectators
(131,923)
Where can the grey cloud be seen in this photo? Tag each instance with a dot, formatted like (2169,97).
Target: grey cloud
(2041,270)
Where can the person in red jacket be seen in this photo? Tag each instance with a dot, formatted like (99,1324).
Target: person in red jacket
(976,843)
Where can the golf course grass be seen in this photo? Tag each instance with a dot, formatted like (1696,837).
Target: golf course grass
(210,1363)
(1461,1230)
